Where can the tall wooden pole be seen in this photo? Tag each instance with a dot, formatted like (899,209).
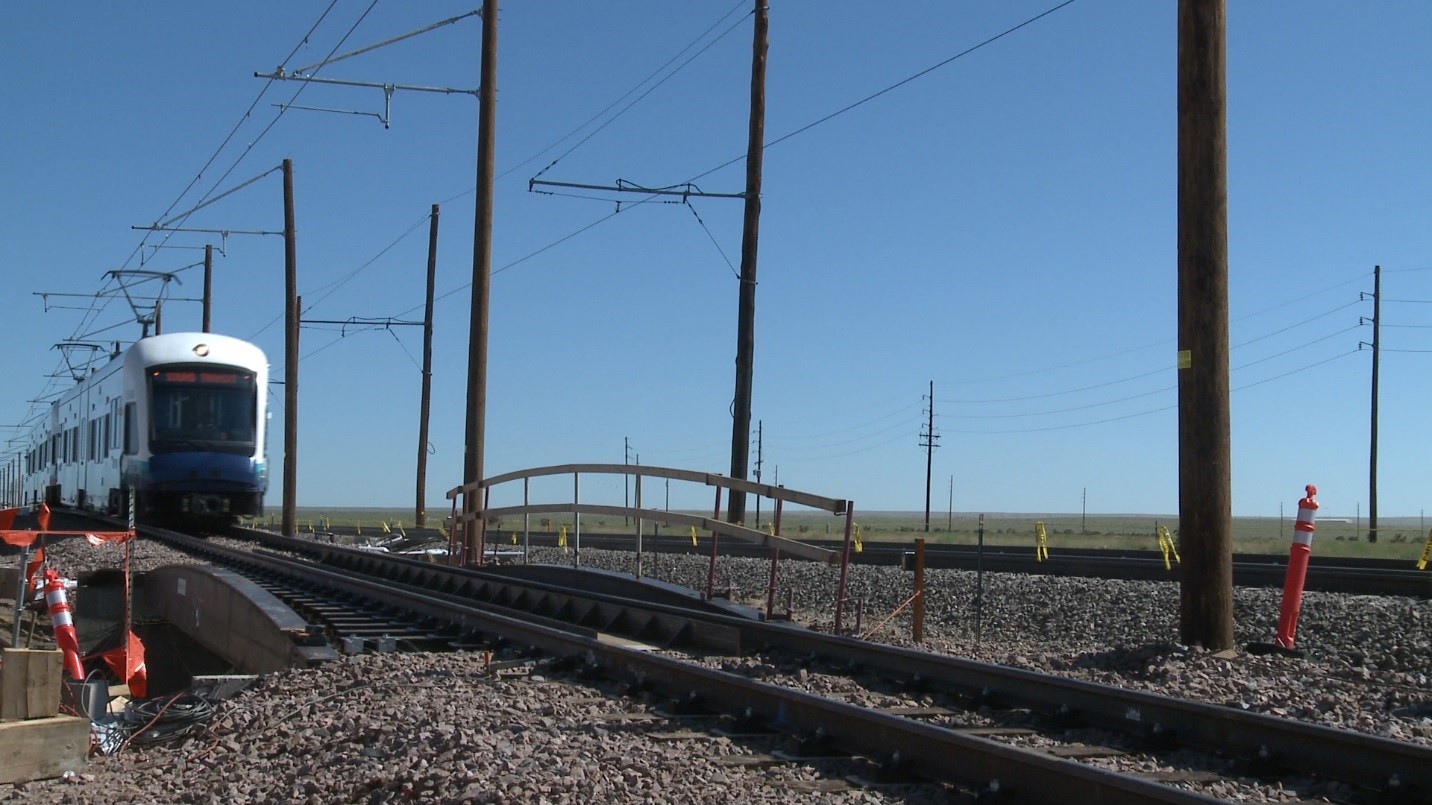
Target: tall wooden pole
(1205,508)
(420,514)
(929,452)
(746,317)
(290,359)
(1376,354)
(481,274)
(208,283)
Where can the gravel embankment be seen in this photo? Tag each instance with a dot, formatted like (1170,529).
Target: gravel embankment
(389,728)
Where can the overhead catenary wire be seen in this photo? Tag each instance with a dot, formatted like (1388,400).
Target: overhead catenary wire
(85,322)
(553,244)
(902,82)
(639,98)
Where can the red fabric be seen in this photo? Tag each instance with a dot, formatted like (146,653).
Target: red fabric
(98,538)
(20,539)
(31,567)
(127,663)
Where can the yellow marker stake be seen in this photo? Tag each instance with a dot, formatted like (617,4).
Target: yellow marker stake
(514,537)
(384,524)
(1166,545)
(562,538)
(858,546)
(1041,542)
(359,529)
(1426,553)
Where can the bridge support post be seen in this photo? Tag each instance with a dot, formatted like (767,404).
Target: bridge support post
(917,626)
(844,565)
(715,538)
(771,585)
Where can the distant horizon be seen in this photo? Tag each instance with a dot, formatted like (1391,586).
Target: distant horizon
(1401,519)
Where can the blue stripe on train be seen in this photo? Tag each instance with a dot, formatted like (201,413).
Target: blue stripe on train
(204,472)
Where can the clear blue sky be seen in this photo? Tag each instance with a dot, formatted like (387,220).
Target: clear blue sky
(1003,226)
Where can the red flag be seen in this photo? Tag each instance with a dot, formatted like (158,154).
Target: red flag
(127,663)
(44,517)
(20,539)
(7,518)
(32,567)
(98,538)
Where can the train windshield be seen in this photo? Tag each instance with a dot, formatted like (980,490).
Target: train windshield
(208,409)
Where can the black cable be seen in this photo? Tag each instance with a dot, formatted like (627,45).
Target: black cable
(167,718)
(638,99)
(896,85)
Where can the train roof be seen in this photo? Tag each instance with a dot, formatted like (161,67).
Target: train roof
(180,347)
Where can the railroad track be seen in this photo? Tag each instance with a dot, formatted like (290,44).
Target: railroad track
(976,727)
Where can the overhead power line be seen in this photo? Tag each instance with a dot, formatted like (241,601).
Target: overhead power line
(902,82)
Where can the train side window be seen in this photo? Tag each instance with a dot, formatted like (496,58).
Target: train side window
(131,433)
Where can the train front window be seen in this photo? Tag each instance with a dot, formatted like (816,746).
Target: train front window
(202,408)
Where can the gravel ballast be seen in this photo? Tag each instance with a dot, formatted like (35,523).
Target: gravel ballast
(394,727)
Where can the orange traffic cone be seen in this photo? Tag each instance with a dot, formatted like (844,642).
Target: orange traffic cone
(64,625)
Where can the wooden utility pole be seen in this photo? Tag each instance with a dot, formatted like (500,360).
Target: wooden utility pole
(1205,507)
(290,357)
(929,445)
(481,275)
(208,283)
(746,317)
(420,513)
(1376,354)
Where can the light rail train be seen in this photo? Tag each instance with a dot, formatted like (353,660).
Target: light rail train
(180,418)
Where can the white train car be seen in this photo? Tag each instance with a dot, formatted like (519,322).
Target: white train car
(181,418)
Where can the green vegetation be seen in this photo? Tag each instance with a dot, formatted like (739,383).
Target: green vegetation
(1399,537)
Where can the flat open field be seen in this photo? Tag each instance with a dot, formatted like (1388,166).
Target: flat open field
(1399,537)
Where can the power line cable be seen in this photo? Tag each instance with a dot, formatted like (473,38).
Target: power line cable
(1146,394)
(1299,324)
(828,457)
(637,100)
(807,127)
(903,410)
(714,242)
(892,87)
(1150,373)
(902,426)
(1159,343)
(234,130)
